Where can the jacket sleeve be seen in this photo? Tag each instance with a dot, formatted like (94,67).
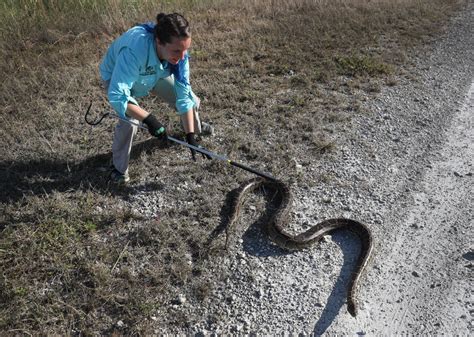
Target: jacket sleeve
(184,97)
(124,75)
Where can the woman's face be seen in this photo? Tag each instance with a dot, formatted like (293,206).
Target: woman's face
(173,51)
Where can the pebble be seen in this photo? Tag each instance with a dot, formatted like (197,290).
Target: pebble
(326,238)
(181,299)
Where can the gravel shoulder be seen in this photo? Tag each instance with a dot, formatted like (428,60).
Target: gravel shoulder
(405,169)
(420,280)
(421,283)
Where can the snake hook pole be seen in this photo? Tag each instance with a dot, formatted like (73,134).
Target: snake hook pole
(195,148)
(97,121)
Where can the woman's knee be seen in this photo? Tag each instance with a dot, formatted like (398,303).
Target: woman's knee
(164,89)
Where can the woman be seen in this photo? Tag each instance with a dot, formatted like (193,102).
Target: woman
(149,58)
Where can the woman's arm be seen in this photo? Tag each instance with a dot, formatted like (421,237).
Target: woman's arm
(187,120)
(136,112)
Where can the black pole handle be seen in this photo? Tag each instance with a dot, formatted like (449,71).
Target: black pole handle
(246,168)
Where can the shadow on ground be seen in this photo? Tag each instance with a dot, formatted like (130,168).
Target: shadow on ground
(338,295)
(43,176)
(255,239)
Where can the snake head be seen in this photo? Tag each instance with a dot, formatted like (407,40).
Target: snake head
(352,308)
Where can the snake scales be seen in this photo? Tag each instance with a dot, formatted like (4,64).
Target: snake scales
(275,228)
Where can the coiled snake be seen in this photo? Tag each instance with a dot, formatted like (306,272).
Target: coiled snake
(277,233)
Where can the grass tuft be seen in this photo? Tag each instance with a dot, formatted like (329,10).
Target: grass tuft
(361,66)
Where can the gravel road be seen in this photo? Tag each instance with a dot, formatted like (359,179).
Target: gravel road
(406,170)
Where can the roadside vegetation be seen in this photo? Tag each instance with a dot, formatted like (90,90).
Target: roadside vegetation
(280,81)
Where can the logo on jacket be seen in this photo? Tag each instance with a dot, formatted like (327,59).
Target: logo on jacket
(149,71)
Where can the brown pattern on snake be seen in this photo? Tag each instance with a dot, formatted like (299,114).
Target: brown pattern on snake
(275,228)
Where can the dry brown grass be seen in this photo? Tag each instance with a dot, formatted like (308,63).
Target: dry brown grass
(279,80)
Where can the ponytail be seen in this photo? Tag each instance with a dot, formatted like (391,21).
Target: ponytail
(171,25)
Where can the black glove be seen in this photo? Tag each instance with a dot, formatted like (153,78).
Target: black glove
(156,128)
(192,141)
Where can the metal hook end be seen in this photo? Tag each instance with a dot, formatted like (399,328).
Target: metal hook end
(96,122)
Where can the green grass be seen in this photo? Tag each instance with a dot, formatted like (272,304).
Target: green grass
(361,66)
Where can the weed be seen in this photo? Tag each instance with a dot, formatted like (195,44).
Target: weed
(391,81)
(361,65)
(299,81)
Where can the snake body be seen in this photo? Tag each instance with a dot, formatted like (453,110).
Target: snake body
(277,233)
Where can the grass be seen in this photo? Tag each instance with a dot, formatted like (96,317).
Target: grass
(361,65)
(278,79)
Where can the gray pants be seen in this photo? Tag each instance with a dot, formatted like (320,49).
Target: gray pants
(124,132)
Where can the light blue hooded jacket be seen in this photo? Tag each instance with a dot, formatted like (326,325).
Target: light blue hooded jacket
(133,68)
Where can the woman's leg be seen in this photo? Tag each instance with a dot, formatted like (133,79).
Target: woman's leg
(164,89)
(122,143)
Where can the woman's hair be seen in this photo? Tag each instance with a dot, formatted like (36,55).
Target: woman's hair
(171,25)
